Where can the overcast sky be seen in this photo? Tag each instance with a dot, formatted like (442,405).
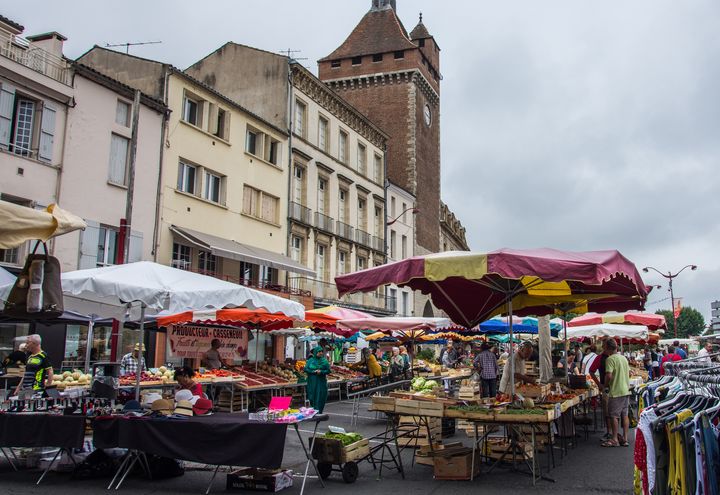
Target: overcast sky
(570,124)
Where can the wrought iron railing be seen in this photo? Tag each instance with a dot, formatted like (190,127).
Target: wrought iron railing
(344,230)
(324,222)
(362,237)
(21,51)
(300,213)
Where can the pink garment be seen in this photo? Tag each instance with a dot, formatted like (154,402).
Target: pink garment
(640,459)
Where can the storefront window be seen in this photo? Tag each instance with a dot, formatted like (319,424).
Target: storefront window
(76,345)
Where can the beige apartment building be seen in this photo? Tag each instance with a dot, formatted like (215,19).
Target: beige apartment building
(223,188)
(336,157)
(401,241)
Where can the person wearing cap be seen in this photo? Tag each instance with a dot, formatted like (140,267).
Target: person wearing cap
(519,358)
(133,362)
(317,368)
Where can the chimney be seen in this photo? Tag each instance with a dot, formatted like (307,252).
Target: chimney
(50,42)
(383,4)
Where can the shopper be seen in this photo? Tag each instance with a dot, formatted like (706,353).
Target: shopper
(578,354)
(671,356)
(679,350)
(703,354)
(486,365)
(38,369)
(133,362)
(588,360)
(372,366)
(16,357)
(211,359)
(655,362)
(617,386)
(406,360)
(397,364)
(317,368)
(597,374)
(647,362)
(519,358)
(449,355)
(184,377)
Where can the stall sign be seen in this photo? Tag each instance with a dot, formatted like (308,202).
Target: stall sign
(189,341)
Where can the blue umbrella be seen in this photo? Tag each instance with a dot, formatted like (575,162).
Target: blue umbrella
(529,325)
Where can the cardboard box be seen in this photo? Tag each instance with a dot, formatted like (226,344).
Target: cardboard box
(456,467)
(259,480)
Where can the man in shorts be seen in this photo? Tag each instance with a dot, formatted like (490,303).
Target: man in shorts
(617,386)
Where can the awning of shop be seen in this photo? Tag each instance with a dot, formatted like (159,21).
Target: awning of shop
(227,248)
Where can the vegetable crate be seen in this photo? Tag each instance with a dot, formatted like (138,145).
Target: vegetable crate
(330,452)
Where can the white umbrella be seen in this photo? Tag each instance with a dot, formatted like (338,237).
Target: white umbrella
(19,224)
(609,330)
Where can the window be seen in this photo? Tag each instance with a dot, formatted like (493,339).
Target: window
(378,222)
(207,263)
(404,304)
(18,126)
(378,168)
(251,140)
(119,147)
(403,247)
(392,299)
(122,113)
(362,214)
(404,212)
(320,262)
(361,159)
(361,263)
(23,129)
(296,248)
(342,206)
(213,187)
(322,195)
(378,57)
(272,150)
(107,246)
(260,204)
(247,271)
(267,275)
(356,60)
(335,64)
(298,185)
(399,55)
(187,178)
(342,146)
(342,263)
(9,256)
(221,124)
(191,111)
(392,208)
(300,114)
(181,256)
(322,133)
(393,250)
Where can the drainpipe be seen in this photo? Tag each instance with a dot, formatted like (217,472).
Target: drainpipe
(59,168)
(386,183)
(290,161)
(158,193)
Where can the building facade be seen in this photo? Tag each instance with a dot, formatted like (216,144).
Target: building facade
(336,208)
(401,242)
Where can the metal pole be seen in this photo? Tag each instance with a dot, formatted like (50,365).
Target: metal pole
(512,357)
(672,302)
(566,344)
(141,358)
(89,345)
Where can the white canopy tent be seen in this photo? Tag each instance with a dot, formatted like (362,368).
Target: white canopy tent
(609,330)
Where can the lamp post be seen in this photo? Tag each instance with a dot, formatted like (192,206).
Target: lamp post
(415,211)
(670,276)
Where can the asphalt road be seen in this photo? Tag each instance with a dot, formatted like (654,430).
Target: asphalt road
(588,468)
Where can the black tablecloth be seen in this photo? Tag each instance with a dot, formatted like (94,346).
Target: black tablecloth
(41,430)
(219,439)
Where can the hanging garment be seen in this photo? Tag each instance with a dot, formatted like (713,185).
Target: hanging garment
(712,455)
(645,425)
(640,460)
(676,473)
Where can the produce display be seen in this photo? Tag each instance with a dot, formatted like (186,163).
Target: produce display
(344,372)
(473,409)
(345,438)
(423,386)
(260,379)
(525,411)
(163,373)
(218,376)
(559,397)
(75,378)
(145,379)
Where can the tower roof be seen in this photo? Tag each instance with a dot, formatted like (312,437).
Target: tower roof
(379,31)
(420,31)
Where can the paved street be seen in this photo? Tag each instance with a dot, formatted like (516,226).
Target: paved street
(589,468)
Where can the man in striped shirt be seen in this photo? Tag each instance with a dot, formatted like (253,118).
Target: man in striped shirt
(486,364)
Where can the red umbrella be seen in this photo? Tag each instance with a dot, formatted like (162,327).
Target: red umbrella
(653,322)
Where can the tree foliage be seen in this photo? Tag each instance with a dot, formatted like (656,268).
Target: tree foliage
(690,322)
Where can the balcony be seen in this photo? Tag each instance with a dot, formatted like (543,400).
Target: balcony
(362,237)
(326,294)
(324,222)
(344,230)
(378,244)
(21,51)
(300,213)
(264,285)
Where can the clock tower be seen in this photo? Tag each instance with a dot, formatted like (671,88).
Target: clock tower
(393,77)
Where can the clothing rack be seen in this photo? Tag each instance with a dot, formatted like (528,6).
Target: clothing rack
(698,362)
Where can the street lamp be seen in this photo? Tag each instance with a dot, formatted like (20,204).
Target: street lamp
(415,211)
(670,276)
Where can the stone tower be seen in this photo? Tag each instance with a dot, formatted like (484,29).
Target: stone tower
(394,78)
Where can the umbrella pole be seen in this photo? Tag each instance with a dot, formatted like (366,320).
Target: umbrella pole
(88,346)
(566,344)
(257,336)
(141,357)
(512,356)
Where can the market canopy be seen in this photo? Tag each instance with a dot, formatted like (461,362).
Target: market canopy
(627,332)
(394,324)
(255,318)
(326,318)
(19,224)
(472,287)
(652,321)
(527,325)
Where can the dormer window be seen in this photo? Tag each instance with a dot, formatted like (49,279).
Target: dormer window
(356,60)
(335,64)
(378,57)
(399,55)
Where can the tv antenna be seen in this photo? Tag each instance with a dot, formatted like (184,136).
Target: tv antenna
(289,53)
(129,44)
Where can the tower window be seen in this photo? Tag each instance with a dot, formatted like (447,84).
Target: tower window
(399,55)
(378,57)
(335,64)
(356,60)
(422,42)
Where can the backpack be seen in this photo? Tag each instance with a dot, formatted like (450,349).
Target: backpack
(37,293)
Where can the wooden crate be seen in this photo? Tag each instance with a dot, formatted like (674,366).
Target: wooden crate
(431,409)
(455,464)
(407,406)
(533,391)
(380,403)
(526,418)
(471,415)
(496,448)
(333,451)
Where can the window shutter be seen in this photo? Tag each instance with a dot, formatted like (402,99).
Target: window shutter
(89,239)
(213,127)
(7,102)
(47,132)
(135,250)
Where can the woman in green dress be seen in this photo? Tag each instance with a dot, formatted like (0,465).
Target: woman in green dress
(317,368)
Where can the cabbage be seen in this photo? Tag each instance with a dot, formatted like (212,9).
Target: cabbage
(418,383)
(430,385)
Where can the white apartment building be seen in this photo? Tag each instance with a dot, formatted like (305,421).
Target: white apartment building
(401,239)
